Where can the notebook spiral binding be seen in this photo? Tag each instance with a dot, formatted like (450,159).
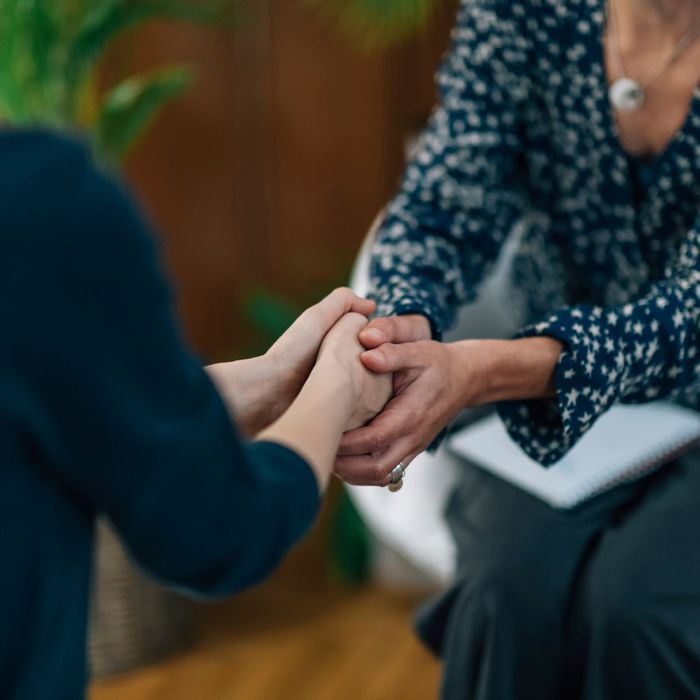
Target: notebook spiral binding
(639,471)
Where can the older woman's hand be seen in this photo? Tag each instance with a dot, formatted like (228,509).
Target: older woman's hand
(433,382)
(368,455)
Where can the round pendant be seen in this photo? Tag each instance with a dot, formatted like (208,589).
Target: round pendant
(626,94)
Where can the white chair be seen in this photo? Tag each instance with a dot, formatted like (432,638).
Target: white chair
(413,547)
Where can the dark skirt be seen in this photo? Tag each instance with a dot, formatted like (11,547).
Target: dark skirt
(601,602)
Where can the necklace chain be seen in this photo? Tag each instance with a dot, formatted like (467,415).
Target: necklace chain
(683,43)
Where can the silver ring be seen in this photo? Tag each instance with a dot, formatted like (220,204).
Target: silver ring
(397,473)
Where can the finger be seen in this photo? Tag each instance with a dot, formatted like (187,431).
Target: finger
(361,471)
(317,320)
(366,307)
(395,329)
(369,470)
(392,357)
(345,300)
(350,325)
(398,419)
(372,470)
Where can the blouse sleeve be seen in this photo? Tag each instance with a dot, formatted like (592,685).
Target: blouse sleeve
(637,352)
(120,412)
(461,192)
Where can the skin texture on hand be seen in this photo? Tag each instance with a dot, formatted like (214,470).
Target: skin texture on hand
(294,354)
(340,394)
(257,391)
(433,382)
(395,329)
(340,352)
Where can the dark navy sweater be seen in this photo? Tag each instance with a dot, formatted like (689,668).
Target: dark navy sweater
(104,409)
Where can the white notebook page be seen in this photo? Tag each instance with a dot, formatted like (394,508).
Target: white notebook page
(626,442)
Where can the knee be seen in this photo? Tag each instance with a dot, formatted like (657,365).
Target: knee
(515,588)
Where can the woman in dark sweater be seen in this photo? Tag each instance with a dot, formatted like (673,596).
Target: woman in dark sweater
(104,409)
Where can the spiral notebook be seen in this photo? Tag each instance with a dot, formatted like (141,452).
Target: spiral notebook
(626,443)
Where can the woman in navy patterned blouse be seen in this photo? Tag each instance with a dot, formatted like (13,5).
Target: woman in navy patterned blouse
(602,601)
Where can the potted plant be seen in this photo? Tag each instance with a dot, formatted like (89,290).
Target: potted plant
(50,53)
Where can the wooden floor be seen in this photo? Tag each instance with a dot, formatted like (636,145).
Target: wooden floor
(301,636)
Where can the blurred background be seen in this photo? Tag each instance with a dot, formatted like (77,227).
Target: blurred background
(261,154)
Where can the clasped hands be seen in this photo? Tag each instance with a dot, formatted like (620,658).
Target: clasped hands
(398,388)
(431,383)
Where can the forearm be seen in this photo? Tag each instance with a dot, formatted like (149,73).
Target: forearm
(507,370)
(314,423)
(246,387)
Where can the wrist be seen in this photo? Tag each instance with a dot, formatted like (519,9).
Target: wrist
(314,423)
(246,386)
(472,371)
(507,370)
(510,370)
(279,384)
(330,379)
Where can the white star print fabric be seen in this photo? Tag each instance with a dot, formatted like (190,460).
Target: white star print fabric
(524,135)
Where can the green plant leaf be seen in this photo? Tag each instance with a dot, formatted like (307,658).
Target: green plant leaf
(378,22)
(108,18)
(131,107)
(351,544)
(105,20)
(269,314)
(11,31)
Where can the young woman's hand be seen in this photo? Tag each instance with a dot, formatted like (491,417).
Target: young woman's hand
(260,389)
(340,356)
(293,356)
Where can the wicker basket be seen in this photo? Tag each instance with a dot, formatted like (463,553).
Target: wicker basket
(134,621)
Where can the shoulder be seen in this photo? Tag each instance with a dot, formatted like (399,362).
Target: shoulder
(55,198)
(517,39)
(523,14)
(496,26)
(37,163)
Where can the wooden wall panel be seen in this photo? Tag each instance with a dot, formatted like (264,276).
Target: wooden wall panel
(335,154)
(270,171)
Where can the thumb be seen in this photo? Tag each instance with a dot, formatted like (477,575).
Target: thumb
(392,357)
(395,329)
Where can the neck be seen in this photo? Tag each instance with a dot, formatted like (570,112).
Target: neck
(675,14)
(653,23)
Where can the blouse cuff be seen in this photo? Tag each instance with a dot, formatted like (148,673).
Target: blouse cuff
(423,301)
(589,377)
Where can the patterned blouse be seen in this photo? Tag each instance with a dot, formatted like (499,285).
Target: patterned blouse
(524,140)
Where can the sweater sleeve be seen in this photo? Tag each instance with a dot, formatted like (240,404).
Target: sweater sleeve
(461,193)
(633,353)
(119,409)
